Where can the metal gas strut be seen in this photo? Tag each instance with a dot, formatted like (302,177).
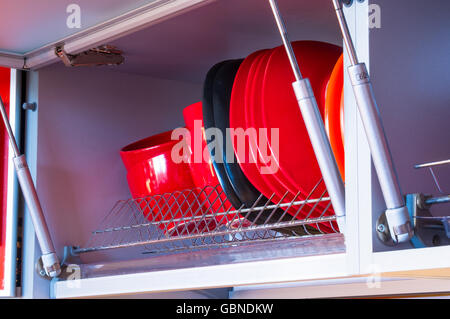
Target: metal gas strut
(315,126)
(394,225)
(49,259)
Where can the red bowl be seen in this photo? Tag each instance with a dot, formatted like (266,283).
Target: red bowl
(212,197)
(161,186)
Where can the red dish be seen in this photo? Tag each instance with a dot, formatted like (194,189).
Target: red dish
(260,156)
(212,198)
(281,188)
(238,108)
(153,178)
(239,119)
(255,120)
(245,112)
(202,169)
(298,166)
(334,114)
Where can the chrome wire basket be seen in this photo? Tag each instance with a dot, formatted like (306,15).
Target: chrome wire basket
(203,218)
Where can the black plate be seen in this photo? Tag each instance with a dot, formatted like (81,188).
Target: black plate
(223,84)
(245,191)
(208,122)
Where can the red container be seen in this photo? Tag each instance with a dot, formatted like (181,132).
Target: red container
(161,186)
(202,169)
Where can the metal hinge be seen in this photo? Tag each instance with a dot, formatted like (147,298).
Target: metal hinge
(102,55)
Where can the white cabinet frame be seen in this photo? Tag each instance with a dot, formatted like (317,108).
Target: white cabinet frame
(359,258)
(368,193)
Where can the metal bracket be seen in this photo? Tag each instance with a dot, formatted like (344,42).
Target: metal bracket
(428,230)
(392,235)
(398,224)
(103,55)
(29,106)
(69,265)
(43,274)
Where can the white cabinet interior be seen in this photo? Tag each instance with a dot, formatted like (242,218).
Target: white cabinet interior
(85,115)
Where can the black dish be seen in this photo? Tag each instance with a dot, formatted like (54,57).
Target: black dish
(208,122)
(223,84)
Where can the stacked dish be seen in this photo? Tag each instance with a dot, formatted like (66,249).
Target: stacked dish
(249,142)
(270,140)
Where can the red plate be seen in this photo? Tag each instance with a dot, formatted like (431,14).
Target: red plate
(334,115)
(297,162)
(253,156)
(253,101)
(278,186)
(253,119)
(238,110)
(237,121)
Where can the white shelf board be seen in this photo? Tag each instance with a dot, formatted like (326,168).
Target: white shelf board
(251,273)
(412,259)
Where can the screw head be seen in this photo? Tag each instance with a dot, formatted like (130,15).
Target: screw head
(29,106)
(348,3)
(381,228)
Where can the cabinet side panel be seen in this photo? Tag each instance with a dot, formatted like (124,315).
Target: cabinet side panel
(409,56)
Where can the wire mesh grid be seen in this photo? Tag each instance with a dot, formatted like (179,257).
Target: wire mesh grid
(204,218)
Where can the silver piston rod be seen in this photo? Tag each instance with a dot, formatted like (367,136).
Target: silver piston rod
(396,216)
(49,258)
(315,127)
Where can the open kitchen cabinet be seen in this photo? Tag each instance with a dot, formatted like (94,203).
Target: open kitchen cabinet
(85,116)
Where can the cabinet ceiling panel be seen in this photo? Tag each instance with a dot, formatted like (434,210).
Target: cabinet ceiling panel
(27,25)
(186,46)
(182,47)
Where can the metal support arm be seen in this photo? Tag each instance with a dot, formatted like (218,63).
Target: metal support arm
(315,127)
(396,221)
(49,258)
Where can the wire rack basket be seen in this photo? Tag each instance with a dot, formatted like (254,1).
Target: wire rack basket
(203,218)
